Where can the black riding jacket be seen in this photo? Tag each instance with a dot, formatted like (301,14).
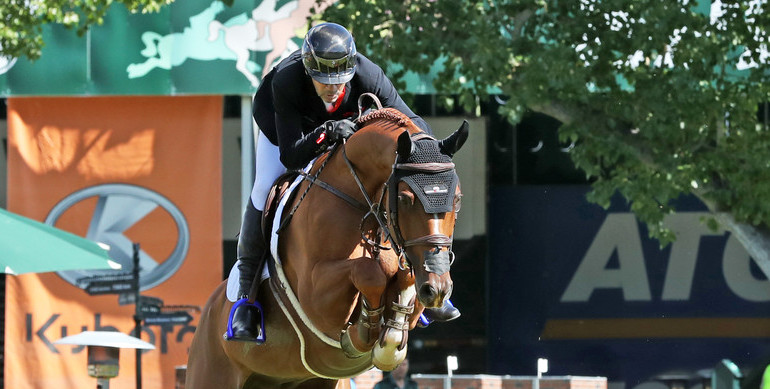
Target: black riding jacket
(290,113)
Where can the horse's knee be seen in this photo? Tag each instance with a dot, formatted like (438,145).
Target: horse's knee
(369,278)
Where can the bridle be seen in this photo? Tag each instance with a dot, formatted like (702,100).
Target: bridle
(387,220)
(389,226)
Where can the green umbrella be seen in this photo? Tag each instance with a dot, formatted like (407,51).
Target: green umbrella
(28,246)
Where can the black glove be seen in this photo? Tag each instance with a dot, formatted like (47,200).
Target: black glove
(337,130)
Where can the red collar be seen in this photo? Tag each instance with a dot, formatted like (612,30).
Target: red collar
(338,102)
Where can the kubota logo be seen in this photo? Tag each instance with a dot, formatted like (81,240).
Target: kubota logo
(118,208)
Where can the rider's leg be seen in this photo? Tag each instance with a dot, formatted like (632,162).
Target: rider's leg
(246,318)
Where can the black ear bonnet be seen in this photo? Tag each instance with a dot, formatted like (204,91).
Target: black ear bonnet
(436,191)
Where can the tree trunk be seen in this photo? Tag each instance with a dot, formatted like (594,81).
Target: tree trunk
(755,240)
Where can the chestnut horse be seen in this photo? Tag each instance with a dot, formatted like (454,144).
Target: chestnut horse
(368,245)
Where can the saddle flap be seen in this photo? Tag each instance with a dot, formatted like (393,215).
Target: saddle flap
(277,191)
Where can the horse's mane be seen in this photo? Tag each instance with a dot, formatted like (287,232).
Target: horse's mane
(389,114)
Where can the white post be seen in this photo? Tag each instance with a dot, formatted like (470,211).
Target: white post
(102,383)
(542,367)
(451,365)
(247,151)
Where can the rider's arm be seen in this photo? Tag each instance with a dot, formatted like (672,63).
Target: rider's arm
(375,81)
(296,148)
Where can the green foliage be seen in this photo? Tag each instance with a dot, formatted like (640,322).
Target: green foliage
(22,21)
(648,90)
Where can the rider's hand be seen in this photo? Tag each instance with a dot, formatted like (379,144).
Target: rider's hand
(337,130)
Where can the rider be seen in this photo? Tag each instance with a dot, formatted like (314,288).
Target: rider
(295,127)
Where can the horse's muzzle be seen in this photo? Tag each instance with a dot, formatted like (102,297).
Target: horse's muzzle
(437,286)
(432,297)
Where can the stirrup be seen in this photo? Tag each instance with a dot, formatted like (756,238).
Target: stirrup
(423,321)
(229,335)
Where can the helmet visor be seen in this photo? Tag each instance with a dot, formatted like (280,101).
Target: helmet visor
(331,71)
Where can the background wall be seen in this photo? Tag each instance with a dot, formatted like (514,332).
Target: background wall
(3,156)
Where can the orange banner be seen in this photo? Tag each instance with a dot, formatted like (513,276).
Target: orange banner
(120,170)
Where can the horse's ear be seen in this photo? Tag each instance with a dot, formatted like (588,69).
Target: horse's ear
(452,143)
(404,145)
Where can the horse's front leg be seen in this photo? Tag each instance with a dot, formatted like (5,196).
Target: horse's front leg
(390,350)
(370,277)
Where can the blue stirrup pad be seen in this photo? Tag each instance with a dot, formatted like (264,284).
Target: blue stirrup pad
(244,301)
(424,321)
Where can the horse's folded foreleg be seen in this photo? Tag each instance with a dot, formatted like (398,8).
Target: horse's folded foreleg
(359,338)
(391,348)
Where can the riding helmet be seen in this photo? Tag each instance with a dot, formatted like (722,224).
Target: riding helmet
(329,54)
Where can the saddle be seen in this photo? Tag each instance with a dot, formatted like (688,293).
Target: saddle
(277,191)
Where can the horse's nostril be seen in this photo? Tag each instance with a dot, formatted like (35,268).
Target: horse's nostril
(427,292)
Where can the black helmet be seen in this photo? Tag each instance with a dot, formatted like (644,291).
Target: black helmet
(329,54)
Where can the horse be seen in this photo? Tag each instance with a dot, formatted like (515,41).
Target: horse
(364,247)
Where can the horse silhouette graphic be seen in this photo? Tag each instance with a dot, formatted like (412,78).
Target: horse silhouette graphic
(207,39)
(6,62)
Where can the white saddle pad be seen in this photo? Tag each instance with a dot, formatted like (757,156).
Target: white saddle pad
(232,279)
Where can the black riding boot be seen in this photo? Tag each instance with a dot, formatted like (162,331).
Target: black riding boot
(447,312)
(246,318)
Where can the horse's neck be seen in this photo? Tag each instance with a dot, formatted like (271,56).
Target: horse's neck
(372,153)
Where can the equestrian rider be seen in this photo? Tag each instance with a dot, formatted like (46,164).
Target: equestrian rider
(295,127)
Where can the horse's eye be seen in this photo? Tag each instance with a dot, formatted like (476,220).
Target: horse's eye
(406,198)
(458,203)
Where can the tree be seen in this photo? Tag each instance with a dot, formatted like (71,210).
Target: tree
(22,21)
(660,97)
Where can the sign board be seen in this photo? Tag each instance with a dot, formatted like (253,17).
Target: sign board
(130,298)
(189,47)
(179,317)
(164,53)
(109,287)
(149,309)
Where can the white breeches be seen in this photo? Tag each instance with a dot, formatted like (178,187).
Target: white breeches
(268,169)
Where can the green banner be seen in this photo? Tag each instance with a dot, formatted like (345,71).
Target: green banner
(190,47)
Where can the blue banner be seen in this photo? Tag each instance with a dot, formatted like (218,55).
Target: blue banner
(589,290)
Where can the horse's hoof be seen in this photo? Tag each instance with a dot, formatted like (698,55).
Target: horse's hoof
(387,359)
(388,353)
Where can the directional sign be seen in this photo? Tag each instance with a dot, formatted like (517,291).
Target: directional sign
(109,287)
(130,298)
(127,298)
(179,317)
(105,277)
(149,309)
